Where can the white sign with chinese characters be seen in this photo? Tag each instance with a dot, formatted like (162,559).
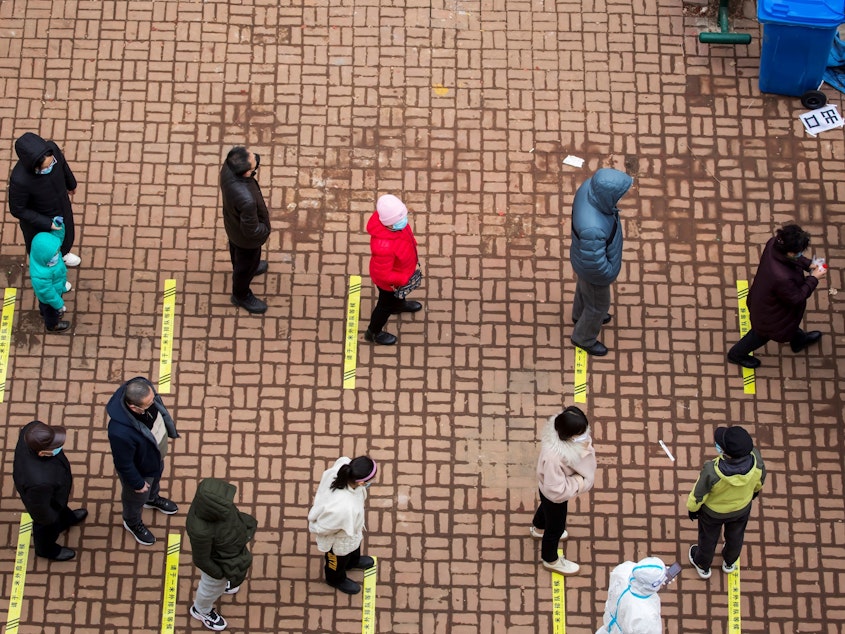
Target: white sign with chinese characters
(821,119)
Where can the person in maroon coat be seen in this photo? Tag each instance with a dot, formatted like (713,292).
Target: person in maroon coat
(394,261)
(778,296)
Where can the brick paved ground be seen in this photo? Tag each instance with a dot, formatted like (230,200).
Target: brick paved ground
(465,109)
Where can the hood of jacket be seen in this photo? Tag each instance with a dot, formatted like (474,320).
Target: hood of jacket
(736,471)
(214,500)
(31,149)
(117,409)
(44,246)
(379,231)
(607,186)
(570,452)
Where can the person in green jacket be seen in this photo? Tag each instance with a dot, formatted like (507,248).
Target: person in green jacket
(219,536)
(722,497)
(48,273)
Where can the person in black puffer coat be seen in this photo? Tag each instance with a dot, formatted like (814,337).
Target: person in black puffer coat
(219,535)
(247,223)
(778,297)
(40,189)
(43,479)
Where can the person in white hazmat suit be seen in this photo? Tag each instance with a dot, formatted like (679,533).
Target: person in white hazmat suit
(633,606)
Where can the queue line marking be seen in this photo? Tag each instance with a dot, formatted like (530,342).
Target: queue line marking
(171,583)
(734,604)
(350,348)
(749,385)
(580,375)
(168,313)
(13,620)
(558,601)
(368,605)
(6,321)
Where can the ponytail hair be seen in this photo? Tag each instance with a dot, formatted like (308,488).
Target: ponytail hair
(360,469)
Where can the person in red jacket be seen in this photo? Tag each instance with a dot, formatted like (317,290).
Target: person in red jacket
(778,296)
(393,262)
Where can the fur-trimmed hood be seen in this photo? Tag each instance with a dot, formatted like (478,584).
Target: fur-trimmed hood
(570,453)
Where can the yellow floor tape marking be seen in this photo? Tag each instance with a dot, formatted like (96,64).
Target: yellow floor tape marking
(748,382)
(168,312)
(350,351)
(580,375)
(171,583)
(6,335)
(368,607)
(734,607)
(19,578)
(558,601)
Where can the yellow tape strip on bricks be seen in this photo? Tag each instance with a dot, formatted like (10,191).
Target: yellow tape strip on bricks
(368,604)
(580,375)
(749,385)
(168,313)
(171,583)
(19,578)
(6,335)
(558,601)
(734,606)
(350,348)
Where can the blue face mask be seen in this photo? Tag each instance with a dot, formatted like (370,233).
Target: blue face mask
(398,226)
(53,261)
(57,451)
(719,448)
(366,485)
(49,168)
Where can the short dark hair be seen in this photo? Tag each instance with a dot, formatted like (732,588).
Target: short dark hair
(571,422)
(238,160)
(791,239)
(136,391)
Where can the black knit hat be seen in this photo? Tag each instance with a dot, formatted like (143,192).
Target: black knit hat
(734,441)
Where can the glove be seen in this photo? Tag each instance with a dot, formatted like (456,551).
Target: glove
(693,515)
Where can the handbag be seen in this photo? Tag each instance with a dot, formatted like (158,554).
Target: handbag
(416,279)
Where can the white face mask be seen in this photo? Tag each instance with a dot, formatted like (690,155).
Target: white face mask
(581,438)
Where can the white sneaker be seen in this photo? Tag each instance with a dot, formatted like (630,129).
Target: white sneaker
(563,566)
(728,569)
(536,534)
(68,287)
(72,259)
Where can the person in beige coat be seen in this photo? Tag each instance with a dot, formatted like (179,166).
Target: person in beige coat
(566,468)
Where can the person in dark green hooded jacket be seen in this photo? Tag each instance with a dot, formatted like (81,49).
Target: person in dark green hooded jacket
(48,273)
(219,535)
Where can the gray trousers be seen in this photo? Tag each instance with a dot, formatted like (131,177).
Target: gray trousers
(133,503)
(592,302)
(208,591)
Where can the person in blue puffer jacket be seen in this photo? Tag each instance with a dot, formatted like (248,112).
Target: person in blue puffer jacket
(49,276)
(596,253)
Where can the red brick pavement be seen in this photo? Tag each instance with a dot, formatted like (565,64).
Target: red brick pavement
(465,109)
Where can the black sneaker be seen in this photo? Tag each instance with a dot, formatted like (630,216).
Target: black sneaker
(408,306)
(365,562)
(251,303)
(168,507)
(212,620)
(383,338)
(140,533)
(59,327)
(230,590)
(746,362)
(704,574)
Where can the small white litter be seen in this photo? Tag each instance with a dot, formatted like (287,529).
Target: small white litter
(574,161)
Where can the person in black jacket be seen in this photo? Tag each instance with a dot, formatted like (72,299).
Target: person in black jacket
(43,479)
(247,224)
(139,426)
(219,535)
(40,189)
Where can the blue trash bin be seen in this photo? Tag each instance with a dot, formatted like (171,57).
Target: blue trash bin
(797,38)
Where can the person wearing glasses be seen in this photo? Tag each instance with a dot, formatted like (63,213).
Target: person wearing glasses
(139,428)
(40,189)
(337,519)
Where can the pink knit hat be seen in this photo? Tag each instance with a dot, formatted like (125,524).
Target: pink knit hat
(390,210)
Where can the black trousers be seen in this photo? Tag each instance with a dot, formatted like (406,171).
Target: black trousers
(751,341)
(386,304)
(709,531)
(44,536)
(50,314)
(337,565)
(551,518)
(244,265)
